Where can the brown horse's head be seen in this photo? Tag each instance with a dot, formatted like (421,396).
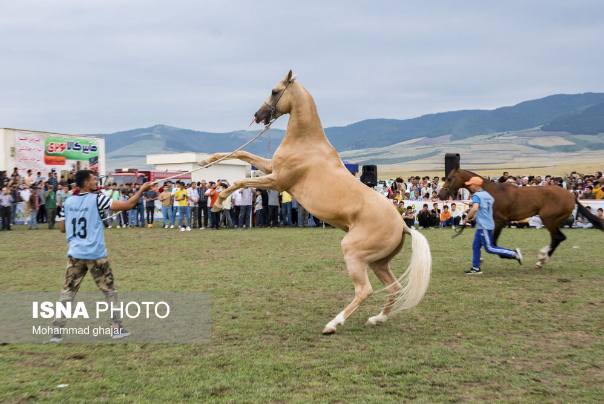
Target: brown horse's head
(453,182)
(278,103)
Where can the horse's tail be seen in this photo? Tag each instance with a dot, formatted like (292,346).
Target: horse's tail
(593,219)
(416,278)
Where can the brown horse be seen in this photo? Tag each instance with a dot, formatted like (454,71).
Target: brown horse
(308,167)
(553,204)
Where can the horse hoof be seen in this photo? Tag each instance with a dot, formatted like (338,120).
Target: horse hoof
(328,331)
(202,163)
(216,208)
(538,265)
(375,320)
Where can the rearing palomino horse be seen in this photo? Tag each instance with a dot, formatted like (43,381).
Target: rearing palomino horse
(307,166)
(552,203)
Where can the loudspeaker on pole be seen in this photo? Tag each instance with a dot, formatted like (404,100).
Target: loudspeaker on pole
(369,176)
(451,160)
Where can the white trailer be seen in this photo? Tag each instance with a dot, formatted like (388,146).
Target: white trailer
(46,151)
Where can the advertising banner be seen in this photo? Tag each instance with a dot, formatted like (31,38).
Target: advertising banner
(43,152)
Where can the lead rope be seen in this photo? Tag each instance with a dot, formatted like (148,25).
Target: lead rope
(268,154)
(267,127)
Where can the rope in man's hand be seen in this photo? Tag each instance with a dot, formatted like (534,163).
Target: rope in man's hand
(458,232)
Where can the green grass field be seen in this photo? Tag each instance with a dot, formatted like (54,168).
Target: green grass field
(512,334)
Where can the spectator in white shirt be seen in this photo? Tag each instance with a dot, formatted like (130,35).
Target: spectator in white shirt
(193,197)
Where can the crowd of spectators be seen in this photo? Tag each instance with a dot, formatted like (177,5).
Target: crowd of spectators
(188,205)
(425,190)
(184,205)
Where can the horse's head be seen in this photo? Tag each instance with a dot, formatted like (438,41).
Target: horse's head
(278,103)
(453,182)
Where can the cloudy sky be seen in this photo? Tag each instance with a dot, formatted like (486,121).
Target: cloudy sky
(101,66)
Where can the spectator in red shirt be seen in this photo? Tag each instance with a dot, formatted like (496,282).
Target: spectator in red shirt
(212,193)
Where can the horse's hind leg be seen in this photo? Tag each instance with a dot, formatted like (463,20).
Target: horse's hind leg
(357,269)
(546,252)
(381,269)
(393,287)
(556,238)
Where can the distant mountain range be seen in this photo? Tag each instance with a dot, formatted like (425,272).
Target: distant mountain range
(558,123)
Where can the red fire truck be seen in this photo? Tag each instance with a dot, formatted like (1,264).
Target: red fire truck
(133,176)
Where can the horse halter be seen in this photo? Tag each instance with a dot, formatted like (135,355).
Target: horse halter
(273,107)
(447,190)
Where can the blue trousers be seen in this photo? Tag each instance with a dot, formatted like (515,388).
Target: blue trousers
(173,215)
(166,212)
(33,219)
(208,213)
(140,210)
(259,217)
(133,217)
(244,216)
(447,222)
(484,238)
(184,213)
(286,209)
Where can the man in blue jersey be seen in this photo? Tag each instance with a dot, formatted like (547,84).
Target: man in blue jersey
(483,210)
(81,218)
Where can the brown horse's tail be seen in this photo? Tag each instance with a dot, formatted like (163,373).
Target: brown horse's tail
(593,219)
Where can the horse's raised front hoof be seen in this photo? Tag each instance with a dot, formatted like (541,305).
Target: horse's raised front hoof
(202,163)
(216,208)
(329,330)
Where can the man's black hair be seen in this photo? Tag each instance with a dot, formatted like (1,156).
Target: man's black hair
(453,204)
(425,205)
(211,182)
(82,176)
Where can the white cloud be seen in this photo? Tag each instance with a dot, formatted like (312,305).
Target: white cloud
(101,66)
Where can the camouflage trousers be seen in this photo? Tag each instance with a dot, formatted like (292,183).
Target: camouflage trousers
(103,277)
